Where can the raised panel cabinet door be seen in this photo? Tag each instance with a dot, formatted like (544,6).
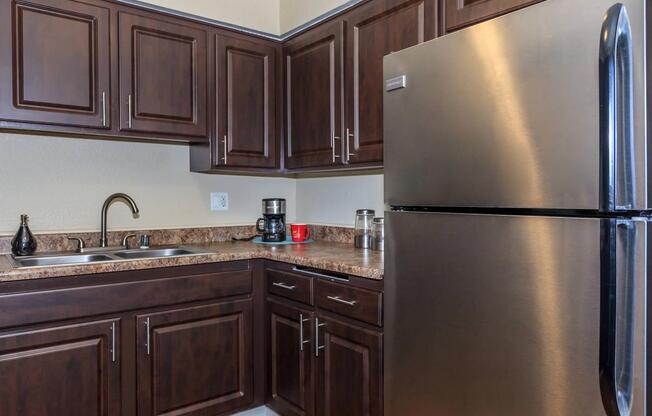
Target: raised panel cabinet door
(373,31)
(71,370)
(195,361)
(163,71)
(349,369)
(54,63)
(461,13)
(291,385)
(246,103)
(313,94)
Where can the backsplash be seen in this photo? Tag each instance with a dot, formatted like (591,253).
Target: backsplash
(59,242)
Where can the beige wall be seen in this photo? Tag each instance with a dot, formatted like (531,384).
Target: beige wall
(62,182)
(294,13)
(261,15)
(271,16)
(333,201)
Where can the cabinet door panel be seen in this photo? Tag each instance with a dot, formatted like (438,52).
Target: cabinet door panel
(195,361)
(460,13)
(54,63)
(246,94)
(67,370)
(313,94)
(373,31)
(163,70)
(349,370)
(291,388)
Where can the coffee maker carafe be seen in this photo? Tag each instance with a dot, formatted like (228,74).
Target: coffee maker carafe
(272,225)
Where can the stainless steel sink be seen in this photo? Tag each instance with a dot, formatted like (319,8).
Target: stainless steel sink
(151,253)
(37,261)
(110,254)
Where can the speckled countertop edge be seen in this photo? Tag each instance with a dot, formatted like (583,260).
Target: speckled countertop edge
(330,256)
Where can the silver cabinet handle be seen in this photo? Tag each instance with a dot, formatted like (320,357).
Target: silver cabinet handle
(333,138)
(342,301)
(301,340)
(284,286)
(113,335)
(103,108)
(225,148)
(349,136)
(147,338)
(129,107)
(317,346)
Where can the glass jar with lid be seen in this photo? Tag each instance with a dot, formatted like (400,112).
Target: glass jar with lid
(378,235)
(364,219)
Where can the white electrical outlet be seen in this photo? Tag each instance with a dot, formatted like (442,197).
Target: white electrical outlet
(219,201)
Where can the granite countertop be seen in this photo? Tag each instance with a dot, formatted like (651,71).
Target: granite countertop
(325,255)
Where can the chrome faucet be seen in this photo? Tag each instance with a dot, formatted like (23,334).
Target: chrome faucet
(126,198)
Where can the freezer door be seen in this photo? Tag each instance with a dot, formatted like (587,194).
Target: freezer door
(541,108)
(511,316)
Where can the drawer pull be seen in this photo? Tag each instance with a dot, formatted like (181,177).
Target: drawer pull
(284,286)
(342,301)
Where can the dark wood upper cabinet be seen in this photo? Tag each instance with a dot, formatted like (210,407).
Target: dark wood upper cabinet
(195,361)
(163,77)
(461,13)
(246,103)
(54,63)
(349,370)
(373,31)
(291,377)
(313,97)
(68,370)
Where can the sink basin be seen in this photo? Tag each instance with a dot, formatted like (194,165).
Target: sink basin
(151,253)
(106,254)
(61,260)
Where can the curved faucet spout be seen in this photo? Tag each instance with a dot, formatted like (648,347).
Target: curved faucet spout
(105,208)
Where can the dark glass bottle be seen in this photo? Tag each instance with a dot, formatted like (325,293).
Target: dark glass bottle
(24,243)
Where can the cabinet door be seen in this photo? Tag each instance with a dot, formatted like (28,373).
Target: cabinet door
(373,31)
(195,361)
(246,103)
(69,370)
(313,66)
(291,385)
(460,13)
(54,63)
(349,369)
(162,77)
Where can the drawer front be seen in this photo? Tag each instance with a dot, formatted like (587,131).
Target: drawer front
(290,285)
(69,303)
(361,304)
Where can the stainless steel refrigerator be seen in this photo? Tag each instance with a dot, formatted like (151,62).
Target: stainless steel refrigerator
(517,170)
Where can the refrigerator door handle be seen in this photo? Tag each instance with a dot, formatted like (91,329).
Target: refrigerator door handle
(617,163)
(618,315)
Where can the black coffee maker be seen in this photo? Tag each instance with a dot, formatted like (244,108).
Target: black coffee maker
(272,225)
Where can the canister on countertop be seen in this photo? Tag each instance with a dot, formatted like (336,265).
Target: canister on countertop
(363,225)
(378,234)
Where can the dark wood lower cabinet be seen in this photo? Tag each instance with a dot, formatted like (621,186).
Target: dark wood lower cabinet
(291,375)
(195,361)
(318,363)
(70,370)
(349,370)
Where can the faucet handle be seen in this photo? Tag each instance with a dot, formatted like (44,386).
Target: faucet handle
(125,241)
(81,245)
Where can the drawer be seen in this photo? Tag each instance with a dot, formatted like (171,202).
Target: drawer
(360,304)
(80,301)
(290,285)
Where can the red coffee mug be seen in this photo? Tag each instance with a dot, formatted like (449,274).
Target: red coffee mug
(300,232)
